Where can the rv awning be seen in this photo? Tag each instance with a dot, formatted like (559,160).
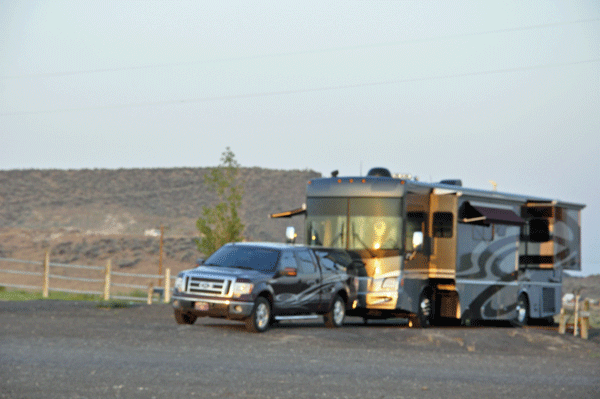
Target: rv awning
(485,215)
(290,213)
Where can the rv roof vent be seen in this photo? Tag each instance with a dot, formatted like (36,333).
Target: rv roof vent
(452,182)
(379,172)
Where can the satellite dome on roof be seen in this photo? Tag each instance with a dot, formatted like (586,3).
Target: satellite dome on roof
(379,172)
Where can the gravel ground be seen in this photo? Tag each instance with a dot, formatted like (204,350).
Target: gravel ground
(59,349)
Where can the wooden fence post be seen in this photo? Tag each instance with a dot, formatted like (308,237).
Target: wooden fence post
(167,285)
(585,319)
(150,292)
(562,323)
(576,316)
(107,281)
(46,286)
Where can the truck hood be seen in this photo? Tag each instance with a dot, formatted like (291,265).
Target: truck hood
(229,272)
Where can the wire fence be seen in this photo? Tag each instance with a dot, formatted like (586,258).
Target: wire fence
(99,277)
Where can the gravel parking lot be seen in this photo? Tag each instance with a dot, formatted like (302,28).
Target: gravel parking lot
(59,349)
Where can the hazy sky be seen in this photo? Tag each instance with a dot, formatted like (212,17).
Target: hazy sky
(506,90)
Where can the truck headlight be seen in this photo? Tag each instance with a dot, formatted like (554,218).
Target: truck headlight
(240,289)
(179,283)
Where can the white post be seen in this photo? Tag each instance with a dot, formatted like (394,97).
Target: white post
(107,281)
(150,291)
(167,285)
(46,286)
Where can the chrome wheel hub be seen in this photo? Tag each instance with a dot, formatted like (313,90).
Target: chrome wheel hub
(262,315)
(338,312)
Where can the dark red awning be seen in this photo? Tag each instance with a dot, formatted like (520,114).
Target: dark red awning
(486,215)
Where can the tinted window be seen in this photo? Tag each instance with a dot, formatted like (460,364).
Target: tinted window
(244,257)
(442,224)
(287,260)
(305,262)
(333,260)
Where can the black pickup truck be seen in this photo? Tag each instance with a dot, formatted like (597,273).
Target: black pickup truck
(260,283)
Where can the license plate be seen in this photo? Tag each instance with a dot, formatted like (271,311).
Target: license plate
(202,306)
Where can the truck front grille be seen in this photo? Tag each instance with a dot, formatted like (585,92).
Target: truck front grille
(208,286)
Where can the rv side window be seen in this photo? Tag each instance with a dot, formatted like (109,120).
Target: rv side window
(539,230)
(442,224)
(414,224)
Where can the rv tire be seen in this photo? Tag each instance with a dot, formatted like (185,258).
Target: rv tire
(522,309)
(425,311)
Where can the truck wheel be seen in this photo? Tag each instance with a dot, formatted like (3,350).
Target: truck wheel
(184,318)
(522,317)
(335,317)
(261,316)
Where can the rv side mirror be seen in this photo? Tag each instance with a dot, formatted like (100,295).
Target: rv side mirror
(290,234)
(417,241)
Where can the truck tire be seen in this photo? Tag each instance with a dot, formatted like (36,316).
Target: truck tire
(184,318)
(260,318)
(335,317)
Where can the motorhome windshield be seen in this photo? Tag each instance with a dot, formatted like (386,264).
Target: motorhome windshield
(354,223)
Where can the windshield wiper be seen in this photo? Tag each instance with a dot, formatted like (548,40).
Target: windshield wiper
(356,236)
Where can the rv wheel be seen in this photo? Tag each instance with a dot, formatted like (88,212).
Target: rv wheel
(522,317)
(425,312)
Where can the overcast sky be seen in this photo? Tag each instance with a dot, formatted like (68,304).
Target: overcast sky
(507,91)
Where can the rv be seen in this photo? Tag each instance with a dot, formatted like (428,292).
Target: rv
(440,252)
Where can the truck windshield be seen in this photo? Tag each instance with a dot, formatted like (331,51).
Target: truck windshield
(244,257)
(355,223)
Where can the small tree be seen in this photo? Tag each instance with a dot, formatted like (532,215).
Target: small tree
(221,224)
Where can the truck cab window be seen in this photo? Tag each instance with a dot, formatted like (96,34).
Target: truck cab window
(305,263)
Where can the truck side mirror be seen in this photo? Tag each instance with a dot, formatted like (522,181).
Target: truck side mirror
(199,262)
(289,272)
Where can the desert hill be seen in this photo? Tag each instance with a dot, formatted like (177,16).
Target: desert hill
(88,216)
(130,201)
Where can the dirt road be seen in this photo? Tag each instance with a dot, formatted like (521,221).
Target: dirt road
(52,349)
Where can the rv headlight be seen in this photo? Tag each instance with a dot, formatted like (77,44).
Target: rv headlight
(390,284)
(240,289)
